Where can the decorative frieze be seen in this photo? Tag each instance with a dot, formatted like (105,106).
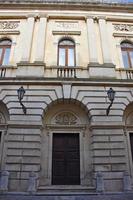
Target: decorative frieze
(9,24)
(71,27)
(123,27)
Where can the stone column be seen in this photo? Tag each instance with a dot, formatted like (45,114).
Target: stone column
(93,54)
(104,41)
(27,40)
(41,37)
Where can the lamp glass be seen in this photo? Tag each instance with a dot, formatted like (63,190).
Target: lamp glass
(21,92)
(111,94)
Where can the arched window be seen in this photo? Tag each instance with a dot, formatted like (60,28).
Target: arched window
(5,48)
(127,54)
(66,53)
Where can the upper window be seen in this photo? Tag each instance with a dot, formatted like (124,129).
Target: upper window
(66,53)
(127,54)
(5,48)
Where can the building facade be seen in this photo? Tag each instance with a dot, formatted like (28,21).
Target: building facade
(66,55)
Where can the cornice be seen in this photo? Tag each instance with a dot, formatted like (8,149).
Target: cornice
(85,5)
(73,81)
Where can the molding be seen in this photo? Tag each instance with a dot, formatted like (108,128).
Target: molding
(97,65)
(66,32)
(25,124)
(28,64)
(9,32)
(129,35)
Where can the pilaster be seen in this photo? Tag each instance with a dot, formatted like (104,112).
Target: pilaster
(93,54)
(41,37)
(27,40)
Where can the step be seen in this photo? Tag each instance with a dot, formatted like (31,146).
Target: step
(63,189)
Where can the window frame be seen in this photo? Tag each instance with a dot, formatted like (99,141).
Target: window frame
(127,50)
(4,47)
(66,47)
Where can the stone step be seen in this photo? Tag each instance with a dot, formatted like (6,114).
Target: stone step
(108,196)
(65,190)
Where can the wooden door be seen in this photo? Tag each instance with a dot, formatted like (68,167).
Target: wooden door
(65,159)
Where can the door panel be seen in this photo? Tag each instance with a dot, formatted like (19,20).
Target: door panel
(65,161)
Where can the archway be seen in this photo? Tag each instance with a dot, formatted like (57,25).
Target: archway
(4,117)
(128,121)
(66,143)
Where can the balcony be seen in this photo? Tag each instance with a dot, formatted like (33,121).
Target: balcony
(66,72)
(124,73)
(7,71)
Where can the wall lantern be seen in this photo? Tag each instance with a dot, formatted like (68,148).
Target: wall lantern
(111,96)
(21,92)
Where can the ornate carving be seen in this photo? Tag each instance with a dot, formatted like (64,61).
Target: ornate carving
(66,118)
(123,27)
(9,24)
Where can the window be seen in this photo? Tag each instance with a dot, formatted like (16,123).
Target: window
(5,48)
(127,54)
(66,53)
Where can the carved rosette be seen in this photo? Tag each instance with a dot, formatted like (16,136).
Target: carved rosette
(123,27)
(65,118)
(9,24)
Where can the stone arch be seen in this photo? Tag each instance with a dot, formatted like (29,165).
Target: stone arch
(70,117)
(128,114)
(75,110)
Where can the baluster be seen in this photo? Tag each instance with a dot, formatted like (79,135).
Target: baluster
(64,72)
(132,75)
(74,73)
(58,72)
(68,72)
(71,72)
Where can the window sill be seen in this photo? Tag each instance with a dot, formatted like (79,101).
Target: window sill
(8,67)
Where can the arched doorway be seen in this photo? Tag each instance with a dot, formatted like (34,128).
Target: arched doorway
(4,117)
(66,157)
(128,121)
